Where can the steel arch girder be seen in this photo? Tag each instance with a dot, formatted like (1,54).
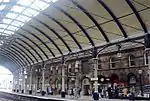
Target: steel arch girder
(92,19)
(41,42)
(77,23)
(12,59)
(17,54)
(16,48)
(114,17)
(33,43)
(27,50)
(51,29)
(14,56)
(137,15)
(60,24)
(48,38)
(30,47)
(55,33)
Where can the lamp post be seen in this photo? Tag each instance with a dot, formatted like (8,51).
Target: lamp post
(23,81)
(43,79)
(95,55)
(63,65)
(140,75)
(30,80)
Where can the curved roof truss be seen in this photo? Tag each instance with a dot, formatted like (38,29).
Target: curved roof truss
(68,26)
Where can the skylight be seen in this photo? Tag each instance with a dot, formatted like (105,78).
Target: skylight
(22,13)
(2,7)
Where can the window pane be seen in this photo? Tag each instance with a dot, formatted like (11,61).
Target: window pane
(23,18)
(8,32)
(7,21)
(6,0)
(18,9)
(42,5)
(17,23)
(2,7)
(54,0)
(30,12)
(12,28)
(132,63)
(3,26)
(11,15)
(25,2)
(1,30)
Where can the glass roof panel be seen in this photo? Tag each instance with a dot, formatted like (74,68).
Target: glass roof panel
(8,32)
(17,23)
(25,2)
(53,0)
(18,15)
(7,21)
(29,11)
(12,28)
(1,30)
(18,9)
(12,15)
(2,6)
(5,0)
(23,18)
(3,26)
(42,5)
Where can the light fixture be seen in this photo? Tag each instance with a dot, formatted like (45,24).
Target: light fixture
(140,71)
(119,52)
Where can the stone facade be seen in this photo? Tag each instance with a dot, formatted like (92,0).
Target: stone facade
(79,72)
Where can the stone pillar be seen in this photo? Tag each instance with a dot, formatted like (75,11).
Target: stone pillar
(14,83)
(43,81)
(17,83)
(63,93)
(95,95)
(95,60)
(23,82)
(30,82)
(149,66)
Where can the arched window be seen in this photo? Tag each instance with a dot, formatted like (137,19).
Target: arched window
(131,60)
(112,63)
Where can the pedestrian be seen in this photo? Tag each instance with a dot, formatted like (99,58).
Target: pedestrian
(72,93)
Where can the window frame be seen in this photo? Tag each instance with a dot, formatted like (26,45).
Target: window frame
(130,60)
(146,58)
(111,63)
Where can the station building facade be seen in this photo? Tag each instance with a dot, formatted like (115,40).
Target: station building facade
(122,70)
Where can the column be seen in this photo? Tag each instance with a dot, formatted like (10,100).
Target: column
(30,82)
(149,66)
(18,83)
(95,94)
(43,81)
(23,82)
(14,84)
(63,93)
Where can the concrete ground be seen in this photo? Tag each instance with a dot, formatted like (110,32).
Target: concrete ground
(69,98)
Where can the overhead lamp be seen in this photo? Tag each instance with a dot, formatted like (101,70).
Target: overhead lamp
(119,52)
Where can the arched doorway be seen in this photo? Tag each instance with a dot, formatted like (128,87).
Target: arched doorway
(114,80)
(86,86)
(132,79)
